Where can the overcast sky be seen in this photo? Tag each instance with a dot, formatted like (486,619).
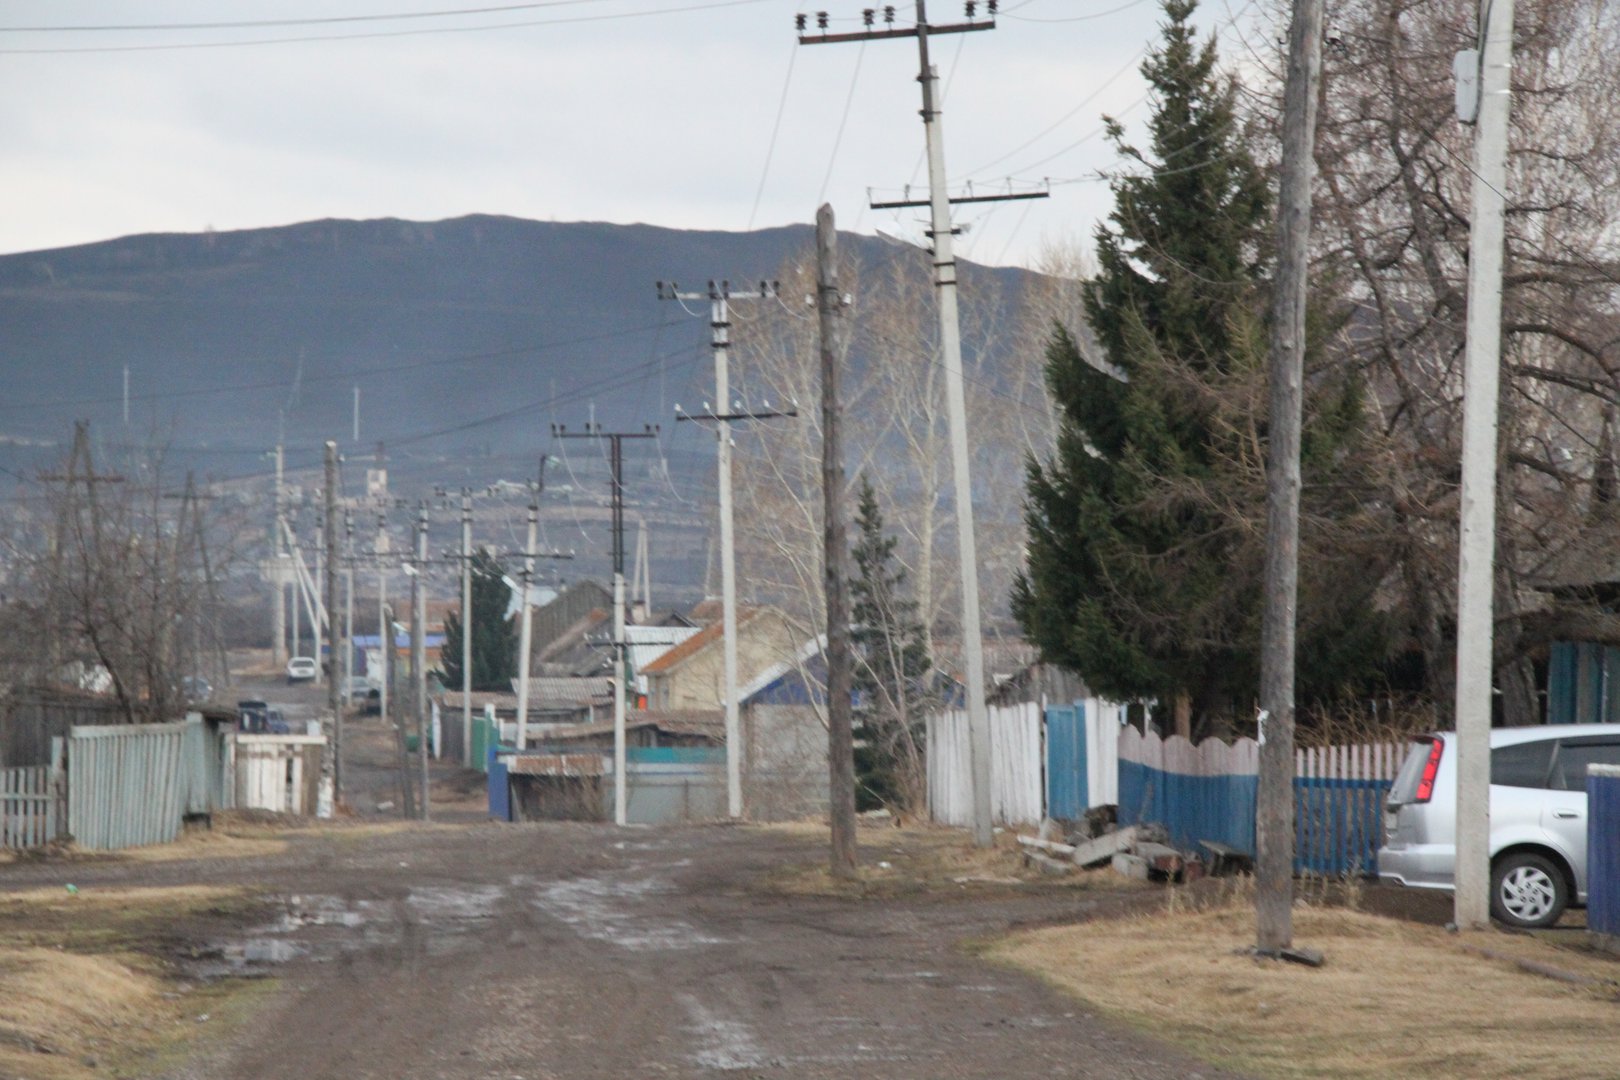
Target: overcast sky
(569,110)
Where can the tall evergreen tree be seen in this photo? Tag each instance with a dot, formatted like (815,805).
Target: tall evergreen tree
(891,669)
(495,638)
(1146,525)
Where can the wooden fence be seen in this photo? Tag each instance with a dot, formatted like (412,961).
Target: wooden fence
(33,805)
(1015,765)
(1208,792)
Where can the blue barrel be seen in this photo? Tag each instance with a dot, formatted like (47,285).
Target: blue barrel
(1603,850)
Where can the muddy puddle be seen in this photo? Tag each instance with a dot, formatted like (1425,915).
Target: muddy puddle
(320,928)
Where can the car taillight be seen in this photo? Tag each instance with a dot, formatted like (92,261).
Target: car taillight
(1431,769)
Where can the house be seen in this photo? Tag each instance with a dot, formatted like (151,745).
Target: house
(691,675)
(784,734)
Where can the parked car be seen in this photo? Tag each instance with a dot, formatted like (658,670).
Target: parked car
(356,688)
(301,669)
(1537,817)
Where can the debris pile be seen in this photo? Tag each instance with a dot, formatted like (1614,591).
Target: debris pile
(1138,851)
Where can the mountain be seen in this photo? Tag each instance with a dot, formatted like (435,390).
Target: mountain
(466,337)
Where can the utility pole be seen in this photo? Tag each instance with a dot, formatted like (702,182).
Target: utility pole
(385,647)
(355,432)
(526,628)
(1274,820)
(615,440)
(348,602)
(466,627)
(840,666)
(720,296)
(419,656)
(278,611)
(126,395)
(332,768)
(941,232)
(1477,540)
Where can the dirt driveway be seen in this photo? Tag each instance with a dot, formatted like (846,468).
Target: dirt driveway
(539,951)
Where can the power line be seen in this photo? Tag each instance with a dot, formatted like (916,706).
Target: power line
(315,21)
(832,158)
(372,35)
(776,129)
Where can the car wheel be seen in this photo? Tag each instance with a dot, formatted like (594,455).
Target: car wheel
(1527,890)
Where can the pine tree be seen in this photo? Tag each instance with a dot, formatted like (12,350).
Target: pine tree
(1146,526)
(891,669)
(495,639)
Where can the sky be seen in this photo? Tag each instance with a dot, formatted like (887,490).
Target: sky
(697,114)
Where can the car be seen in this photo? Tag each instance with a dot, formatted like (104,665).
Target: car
(1537,817)
(301,669)
(195,688)
(356,688)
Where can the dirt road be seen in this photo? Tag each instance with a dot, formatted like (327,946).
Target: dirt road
(567,951)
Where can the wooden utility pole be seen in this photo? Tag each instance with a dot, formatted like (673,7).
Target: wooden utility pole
(466,628)
(950,355)
(1477,526)
(720,295)
(385,651)
(520,733)
(835,556)
(332,764)
(1274,818)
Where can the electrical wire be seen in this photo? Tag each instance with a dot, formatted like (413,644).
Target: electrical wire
(312,21)
(377,34)
(776,129)
(832,159)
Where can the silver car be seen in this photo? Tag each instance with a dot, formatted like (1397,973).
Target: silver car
(1538,817)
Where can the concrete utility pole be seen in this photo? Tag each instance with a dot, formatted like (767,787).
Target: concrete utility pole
(1274,820)
(526,628)
(835,556)
(466,628)
(348,602)
(941,232)
(278,610)
(419,656)
(1477,542)
(332,770)
(385,650)
(720,296)
(615,440)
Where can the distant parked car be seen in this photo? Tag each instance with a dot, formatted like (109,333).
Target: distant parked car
(195,688)
(1537,814)
(301,669)
(356,688)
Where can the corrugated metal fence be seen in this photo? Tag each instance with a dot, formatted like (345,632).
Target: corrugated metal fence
(126,785)
(1015,765)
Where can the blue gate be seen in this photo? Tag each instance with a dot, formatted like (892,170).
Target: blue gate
(500,789)
(1067,796)
(1338,825)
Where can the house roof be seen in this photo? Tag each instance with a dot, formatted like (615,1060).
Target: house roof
(695,644)
(544,693)
(710,723)
(811,647)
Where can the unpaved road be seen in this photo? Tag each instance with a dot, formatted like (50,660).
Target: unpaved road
(565,951)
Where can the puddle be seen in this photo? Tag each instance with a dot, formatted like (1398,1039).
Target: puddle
(318,927)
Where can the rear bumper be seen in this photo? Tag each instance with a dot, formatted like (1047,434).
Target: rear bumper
(1418,866)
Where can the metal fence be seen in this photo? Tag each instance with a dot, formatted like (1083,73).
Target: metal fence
(126,785)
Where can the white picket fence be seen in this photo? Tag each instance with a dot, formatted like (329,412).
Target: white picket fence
(1359,761)
(1016,787)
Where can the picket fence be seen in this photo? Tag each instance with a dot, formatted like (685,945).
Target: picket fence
(1208,792)
(1016,787)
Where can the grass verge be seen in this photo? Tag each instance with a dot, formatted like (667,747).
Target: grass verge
(1394,999)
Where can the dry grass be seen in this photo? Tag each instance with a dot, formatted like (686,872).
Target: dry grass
(78,996)
(1395,998)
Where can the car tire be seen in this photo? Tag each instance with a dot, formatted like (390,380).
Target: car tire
(1528,891)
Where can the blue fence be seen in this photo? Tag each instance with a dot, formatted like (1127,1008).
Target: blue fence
(1338,825)
(1191,808)
(1603,850)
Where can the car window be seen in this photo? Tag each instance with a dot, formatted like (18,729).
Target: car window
(1573,757)
(1523,765)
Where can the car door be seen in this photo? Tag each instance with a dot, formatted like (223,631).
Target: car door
(1564,811)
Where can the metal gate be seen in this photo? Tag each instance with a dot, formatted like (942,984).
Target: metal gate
(1066,789)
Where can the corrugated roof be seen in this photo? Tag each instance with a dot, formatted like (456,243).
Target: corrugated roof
(710,723)
(648,643)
